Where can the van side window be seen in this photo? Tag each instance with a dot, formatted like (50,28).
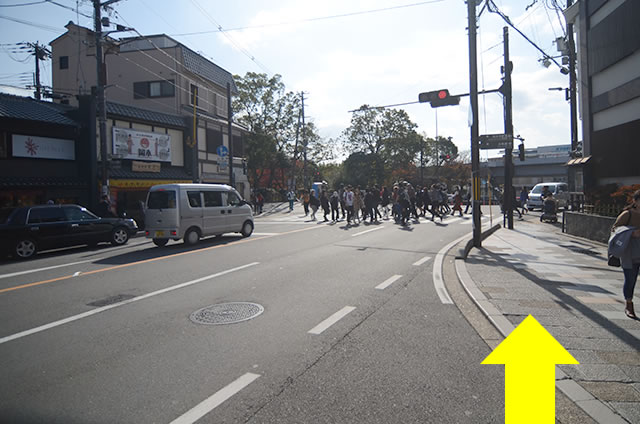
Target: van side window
(194,199)
(212,199)
(232,199)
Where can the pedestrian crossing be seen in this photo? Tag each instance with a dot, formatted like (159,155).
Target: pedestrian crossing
(299,219)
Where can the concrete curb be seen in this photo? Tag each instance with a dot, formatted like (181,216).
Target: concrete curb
(593,407)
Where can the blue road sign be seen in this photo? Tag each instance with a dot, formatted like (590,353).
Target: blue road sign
(222,151)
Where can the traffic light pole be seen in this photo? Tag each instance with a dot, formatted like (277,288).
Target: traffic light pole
(508,129)
(475,132)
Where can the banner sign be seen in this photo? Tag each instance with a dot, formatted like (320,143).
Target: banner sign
(27,146)
(145,167)
(137,184)
(141,145)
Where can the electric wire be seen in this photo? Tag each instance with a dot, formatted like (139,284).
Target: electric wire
(23,4)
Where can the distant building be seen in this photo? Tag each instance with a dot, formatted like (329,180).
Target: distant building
(158,73)
(541,164)
(608,49)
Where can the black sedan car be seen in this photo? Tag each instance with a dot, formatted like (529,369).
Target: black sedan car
(26,230)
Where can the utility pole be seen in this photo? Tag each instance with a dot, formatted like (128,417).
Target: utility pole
(230,129)
(475,132)
(101,103)
(304,146)
(508,129)
(292,184)
(41,53)
(572,84)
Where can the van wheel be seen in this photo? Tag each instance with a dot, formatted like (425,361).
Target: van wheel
(160,242)
(191,237)
(25,248)
(247,229)
(119,236)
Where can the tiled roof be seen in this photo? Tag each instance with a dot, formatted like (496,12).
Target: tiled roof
(168,173)
(145,115)
(207,69)
(30,109)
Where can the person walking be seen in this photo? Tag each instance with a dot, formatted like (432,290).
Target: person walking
(324,202)
(385,201)
(343,206)
(334,201)
(305,202)
(467,199)
(314,203)
(629,222)
(291,197)
(524,198)
(358,204)
(457,202)
(348,201)
(104,208)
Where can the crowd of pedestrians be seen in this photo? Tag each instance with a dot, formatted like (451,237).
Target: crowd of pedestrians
(400,203)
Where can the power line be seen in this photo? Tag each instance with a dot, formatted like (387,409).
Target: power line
(321,18)
(23,4)
(33,24)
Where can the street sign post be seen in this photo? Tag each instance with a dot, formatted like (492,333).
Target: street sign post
(496,141)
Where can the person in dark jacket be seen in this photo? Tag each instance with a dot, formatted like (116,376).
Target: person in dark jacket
(630,261)
(104,208)
(334,200)
(324,202)
(314,203)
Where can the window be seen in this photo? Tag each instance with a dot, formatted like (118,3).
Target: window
(214,139)
(77,214)
(151,89)
(238,150)
(193,99)
(64,62)
(162,199)
(194,199)
(233,199)
(45,215)
(212,199)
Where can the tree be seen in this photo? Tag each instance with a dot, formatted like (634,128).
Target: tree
(271,116)
(363,169)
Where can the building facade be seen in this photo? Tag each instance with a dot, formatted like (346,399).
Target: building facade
(608,53)
(157,73)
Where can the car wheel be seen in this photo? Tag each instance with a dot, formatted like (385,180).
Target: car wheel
(119,236)
(160,242)
(191,237)
(247,229)
(25,248)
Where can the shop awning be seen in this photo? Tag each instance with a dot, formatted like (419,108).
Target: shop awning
(578,161)
(32,182)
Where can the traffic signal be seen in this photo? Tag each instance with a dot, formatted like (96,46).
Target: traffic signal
(439,98)
(521,152)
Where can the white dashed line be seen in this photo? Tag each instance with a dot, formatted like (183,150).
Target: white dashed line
(421,261)
(209,404)
(318,329)
(367,231)
(388,282)
(13,274)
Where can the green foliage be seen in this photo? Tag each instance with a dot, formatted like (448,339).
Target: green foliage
(364,169)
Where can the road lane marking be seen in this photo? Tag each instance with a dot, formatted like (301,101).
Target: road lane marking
(367,231)
(438,281)
(115,305)
(264,234)
(421,261)
(29,271)
(212,402)
(160,258)
(77,273)
(388,282)
(318,329)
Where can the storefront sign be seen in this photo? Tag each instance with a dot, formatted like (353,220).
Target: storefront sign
(133,184)
(145,167)
(141,145)
(27,146)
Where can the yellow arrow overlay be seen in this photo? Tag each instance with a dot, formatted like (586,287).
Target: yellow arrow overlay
(530,355)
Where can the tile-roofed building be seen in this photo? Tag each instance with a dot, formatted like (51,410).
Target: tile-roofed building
(144,115)
(29,109)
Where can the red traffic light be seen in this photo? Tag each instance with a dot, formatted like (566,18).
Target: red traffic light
(439,98)
(443,94)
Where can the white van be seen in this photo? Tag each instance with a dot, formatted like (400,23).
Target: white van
(560,193)
(192,211)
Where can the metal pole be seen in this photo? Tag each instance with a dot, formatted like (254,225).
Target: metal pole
(37,54)
(101,101)
(230,129)
(475,132)
(304,146)
(508,129)
(572,84)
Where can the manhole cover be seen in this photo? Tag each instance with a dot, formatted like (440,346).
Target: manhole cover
(226,313)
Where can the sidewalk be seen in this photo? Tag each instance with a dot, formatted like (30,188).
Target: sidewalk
(565,283)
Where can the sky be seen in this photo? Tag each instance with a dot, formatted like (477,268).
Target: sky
(341,54)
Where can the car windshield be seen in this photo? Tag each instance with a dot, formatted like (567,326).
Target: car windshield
(162,199)
(537,190)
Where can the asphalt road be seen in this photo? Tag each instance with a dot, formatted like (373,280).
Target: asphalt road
(352,330)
